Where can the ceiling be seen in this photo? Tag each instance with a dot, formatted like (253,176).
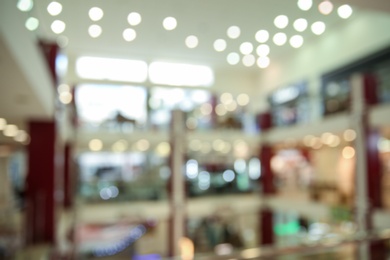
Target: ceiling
(25,92)
(207,20)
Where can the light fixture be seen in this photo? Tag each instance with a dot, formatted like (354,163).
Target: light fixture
(263,50)
(180,74)
(262,36)
(3,123)
(163,149)
(281,21)
(243,99)
(305,5)
(226,98)
(233,32)
(233,58)
(21,136)
(62,41)
(142,145)
(296,41)
(129,34)
(95,14)
(348,152)
(344,11)
(220,45)
(10,130)
(325,7)
(95,30)
(54,8)
(65,97)
(248,60)
(246,48)
(192,41)
(169,23)
(95,145)
(300,24)
(32,23)
(318,28)
(134,18)
(58,26)
(280,38)
(111,69)
(263,62)
(25,5)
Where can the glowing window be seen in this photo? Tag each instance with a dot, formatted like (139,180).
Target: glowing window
(97,103)
(111,69)
(178,74)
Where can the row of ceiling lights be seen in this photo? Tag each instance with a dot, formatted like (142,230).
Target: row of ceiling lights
(241,148)
(12,131)
(233,32)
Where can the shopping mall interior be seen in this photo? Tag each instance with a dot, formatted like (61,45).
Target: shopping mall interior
(177,129)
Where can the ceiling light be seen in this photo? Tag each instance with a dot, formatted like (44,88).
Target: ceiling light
(233,58)
(54,8)
(296,41)
(95,145)
(95,13)
(65,97)
(169,23)
(25,5)
(248,60)
(134,18)
(226,98)
(262,50)
(143,145)
(262,36)
(344,11)
(163,149)
(325,7)
(220,110)
(349,135)
(21,136)
(62,41)
(179,74)
(305,5)
(280,39)
(281,21)
(220,45)
(111,69)
(119,146)
(348,152)
(32,23)
(263,62)
(10,130)
(233,32)
(95,30)
(192,41)
(318,28)
(243,99)
(58,26)
(129,34)
(300,24)
(63,88)
(3,123)
(246,48)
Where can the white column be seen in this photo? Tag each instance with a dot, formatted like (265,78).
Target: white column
(358,122)
(177,189)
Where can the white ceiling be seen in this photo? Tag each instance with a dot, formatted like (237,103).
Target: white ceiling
(208,20)
(25,92)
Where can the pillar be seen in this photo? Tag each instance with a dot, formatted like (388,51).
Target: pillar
(69,177)
(41,183)
(368,170)
(267,181)
(177,194)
